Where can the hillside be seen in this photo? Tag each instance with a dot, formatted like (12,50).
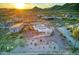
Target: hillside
(36,9)
(67,6)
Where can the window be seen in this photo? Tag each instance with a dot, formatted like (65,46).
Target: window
(54,47)
(31,43)
(14,30)
(69,41)
(40,40)
(35,44)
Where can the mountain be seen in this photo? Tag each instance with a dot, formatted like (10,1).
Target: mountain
(56,7)
(71,6)
(67,6)
(36,8)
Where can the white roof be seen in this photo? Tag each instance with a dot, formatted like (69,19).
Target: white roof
(42,28)
(17,25)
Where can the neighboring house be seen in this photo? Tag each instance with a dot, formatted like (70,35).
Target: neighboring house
(5,25)
(17,19)
(71,16)
(48,18)
(68,36)
(16,28)
(51,17)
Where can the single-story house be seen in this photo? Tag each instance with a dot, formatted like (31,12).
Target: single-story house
(43,28)
(71,16)
(16,28)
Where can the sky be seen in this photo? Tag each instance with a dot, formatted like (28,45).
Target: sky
(29,5)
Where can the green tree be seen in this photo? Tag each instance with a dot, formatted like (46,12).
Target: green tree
(75,34)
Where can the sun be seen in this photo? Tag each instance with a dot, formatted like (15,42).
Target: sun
(19,5)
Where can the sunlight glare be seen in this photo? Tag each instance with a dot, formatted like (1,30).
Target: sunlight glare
(19,5)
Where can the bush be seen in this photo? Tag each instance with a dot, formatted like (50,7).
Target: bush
(7,43)
(7,47)
(74,50)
